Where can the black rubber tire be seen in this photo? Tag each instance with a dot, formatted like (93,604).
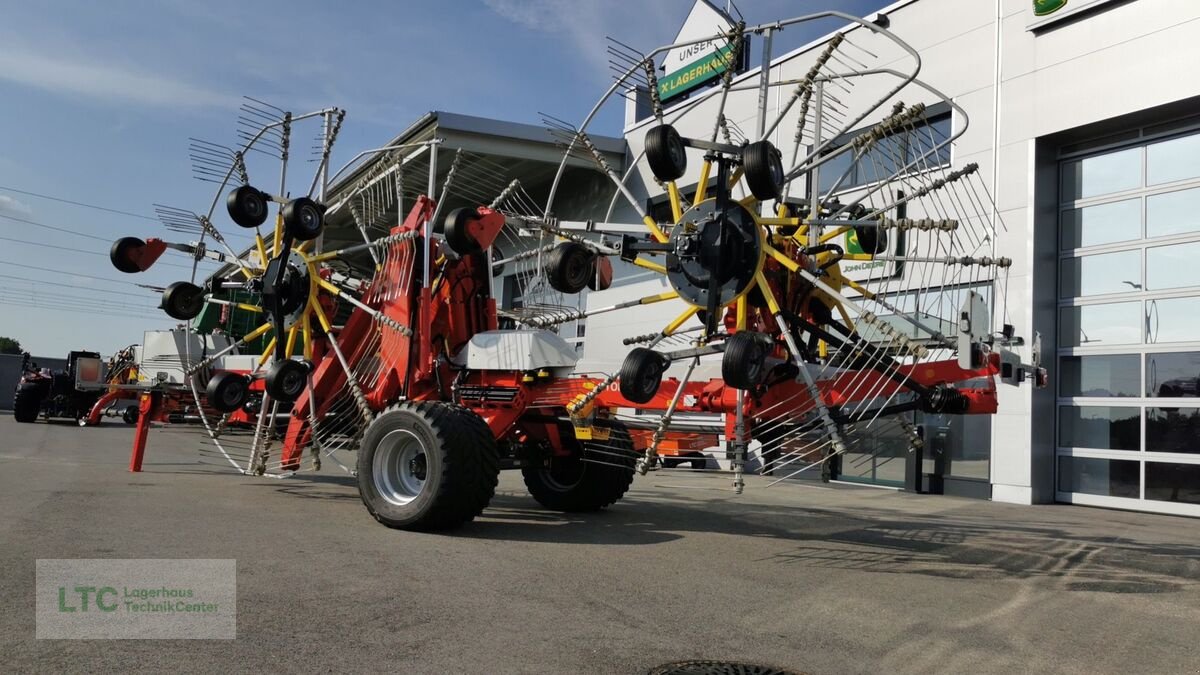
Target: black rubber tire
(118,255)
(698,460)
(182,300)
(130,414)
(461,459)
(569,267)
(671,462)
(665,153)
(641,374)
(226,391)
(286,380)
(871,239)
(572,485)
(744,360)
(303,218)
(762,165)
(247,206)
(454,227)
(27,404)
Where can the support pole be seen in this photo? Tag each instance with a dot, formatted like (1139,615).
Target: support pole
(148,407)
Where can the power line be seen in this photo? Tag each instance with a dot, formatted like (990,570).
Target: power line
(53,283)
(34,305)
(75,203)
(80,250)
(76,274)
(51,227)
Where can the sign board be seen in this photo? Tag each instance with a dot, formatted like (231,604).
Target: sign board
(1046,12)
(693,65)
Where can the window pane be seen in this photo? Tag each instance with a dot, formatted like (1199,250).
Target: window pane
(1173,429)
(1172,266)
(1173,213)
(1173,320)
(832,170)
(1101,175)
(1109,477)
(1098,274)
(1099,427)
(1106,375)
(1173,482)
(1173,375)
(1108,324)
(1173,160)
(1102,224)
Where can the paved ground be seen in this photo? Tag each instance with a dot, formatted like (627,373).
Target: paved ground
(821,580)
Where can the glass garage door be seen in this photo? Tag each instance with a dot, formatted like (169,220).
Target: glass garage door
(1128,371)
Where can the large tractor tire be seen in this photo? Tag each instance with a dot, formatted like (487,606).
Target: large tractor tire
(571,484)
(27,403)
(427,466)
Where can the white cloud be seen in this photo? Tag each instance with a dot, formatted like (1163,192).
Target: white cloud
(111,83)
(14,207)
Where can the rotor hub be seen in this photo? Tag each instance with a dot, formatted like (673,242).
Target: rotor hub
(707,244)
(292,290)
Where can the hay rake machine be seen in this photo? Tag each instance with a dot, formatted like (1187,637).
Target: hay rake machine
(393,349)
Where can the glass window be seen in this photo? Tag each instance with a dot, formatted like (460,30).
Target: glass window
(1102,224)
(1173,266)
(1089,475)
(832,171)
(1173,320)
(1173,160)
(1102,174)
(1173,375)
(1099,427)
(1167,482)
(1101,325)
(1173,430)
(1100,375)
(1173,213)
(1098,274)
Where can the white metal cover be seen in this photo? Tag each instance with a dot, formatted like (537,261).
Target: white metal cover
(519,350)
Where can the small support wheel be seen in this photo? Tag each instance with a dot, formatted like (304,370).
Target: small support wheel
(763,167)
(121,254)
(641,374)
(286,380)
(226,391)
(745,358)
(458,237)
(570,483)
(182,300)
(130,414)
(665,153)
(247,206)
(872,240)
(303,219)
(570,266)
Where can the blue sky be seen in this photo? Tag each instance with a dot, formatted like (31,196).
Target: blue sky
(100,99)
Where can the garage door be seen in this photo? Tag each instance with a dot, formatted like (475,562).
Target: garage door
(1129,327)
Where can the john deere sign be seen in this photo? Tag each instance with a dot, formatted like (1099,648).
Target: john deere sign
(1045,7)
(695,73)
(703,54)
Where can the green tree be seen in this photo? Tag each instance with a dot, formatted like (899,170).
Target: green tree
(9,346)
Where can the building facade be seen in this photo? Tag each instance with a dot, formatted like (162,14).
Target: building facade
(1085,123)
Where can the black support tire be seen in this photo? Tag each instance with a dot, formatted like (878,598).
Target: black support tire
(454,227)
(427,466)
(121,254)
(182,300)
(286,380)
(641,374)
(27,404)
(227,391)
(303,219)
(570,484)
(744,360)
(570,266)
(665,153)
(130,414)
(762,165)
(872,240)
(247,206)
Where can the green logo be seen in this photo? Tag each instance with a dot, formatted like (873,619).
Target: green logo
(852,244)
(1044,7)
(696,73)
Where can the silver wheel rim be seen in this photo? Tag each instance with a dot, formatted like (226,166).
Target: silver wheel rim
(395,467)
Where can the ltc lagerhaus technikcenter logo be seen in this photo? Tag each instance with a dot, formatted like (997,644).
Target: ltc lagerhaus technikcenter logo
(136,599)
